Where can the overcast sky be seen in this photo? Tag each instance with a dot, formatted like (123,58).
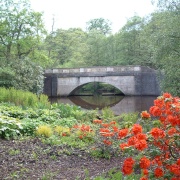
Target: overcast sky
(75,13)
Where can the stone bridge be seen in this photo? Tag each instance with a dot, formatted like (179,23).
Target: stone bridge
(131,80)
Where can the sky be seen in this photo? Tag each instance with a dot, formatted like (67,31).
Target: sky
(76,13)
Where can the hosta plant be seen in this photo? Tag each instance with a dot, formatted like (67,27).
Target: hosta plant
(9,127)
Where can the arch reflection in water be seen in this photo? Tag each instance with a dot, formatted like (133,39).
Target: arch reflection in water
(93,102)
(119,104)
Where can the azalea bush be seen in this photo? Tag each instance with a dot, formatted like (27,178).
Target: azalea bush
(152,144)
(83,132)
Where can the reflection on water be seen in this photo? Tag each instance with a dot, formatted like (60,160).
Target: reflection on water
(119,104)
(93,102)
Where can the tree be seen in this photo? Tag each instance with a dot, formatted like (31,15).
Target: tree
(163,35)
(96,48)
(66,48)
(100,24)
(167,4)
(129,43)
(20,30)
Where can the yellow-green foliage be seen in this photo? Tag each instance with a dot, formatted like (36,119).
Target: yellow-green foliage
(20,97)
(44,130)
(60,130)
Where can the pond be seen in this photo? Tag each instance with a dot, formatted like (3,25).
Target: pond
(119,104)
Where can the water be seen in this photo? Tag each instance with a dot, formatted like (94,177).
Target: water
(119,104)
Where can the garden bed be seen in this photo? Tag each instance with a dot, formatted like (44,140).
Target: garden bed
(31,159)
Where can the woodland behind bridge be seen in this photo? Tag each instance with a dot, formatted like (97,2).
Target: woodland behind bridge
(27,48)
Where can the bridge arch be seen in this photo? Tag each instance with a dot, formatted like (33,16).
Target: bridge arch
(125,84)
(80,86)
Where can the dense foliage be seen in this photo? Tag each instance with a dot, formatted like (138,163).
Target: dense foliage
(149,41)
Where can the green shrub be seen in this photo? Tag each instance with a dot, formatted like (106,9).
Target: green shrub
(128,119)
(29,126)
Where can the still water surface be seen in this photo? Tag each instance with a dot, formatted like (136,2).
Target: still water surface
(119,104)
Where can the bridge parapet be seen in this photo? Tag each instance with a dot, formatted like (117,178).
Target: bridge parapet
(99,69)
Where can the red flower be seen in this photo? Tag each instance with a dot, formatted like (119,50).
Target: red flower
(97,121)
(81,137)
(172,131)
(110,134)
(158,172)
(85,128)
(141,136)
(64,134)
(105,125)
(162,119)
(157,133)
(175,169)
(128,166)
(75,126)
(144,178)
(123,146)
(132,141)
(106,132)
(145,115)
(157,160)
(103,130)
(178,162)
(136,129)
(107,142)
(167,95)
(155,111)
(159,102)
(144,163)
(175,178)
(173,120)
(141,145)
(145,171)
(112,122)
(115,129)
(122,133)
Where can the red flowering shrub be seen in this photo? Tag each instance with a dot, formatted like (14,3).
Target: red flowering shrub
(82,131)
(159,141)
(155,139)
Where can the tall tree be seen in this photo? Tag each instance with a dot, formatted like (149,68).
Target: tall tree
(99,24)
